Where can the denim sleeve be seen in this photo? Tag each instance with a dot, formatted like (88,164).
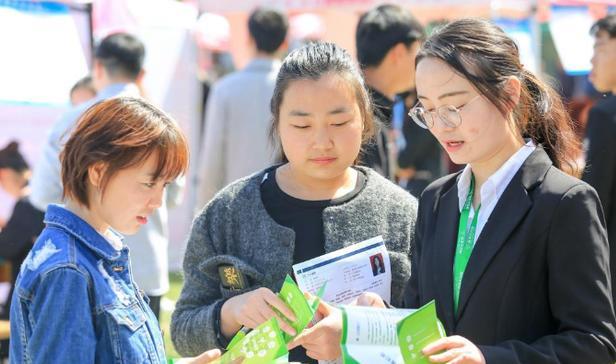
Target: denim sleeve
(62,327)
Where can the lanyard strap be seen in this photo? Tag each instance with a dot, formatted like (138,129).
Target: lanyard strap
(465,243)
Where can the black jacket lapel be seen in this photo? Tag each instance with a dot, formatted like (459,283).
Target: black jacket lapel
(445,227)
(507,215)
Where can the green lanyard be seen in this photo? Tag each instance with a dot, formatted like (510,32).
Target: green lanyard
(464,246)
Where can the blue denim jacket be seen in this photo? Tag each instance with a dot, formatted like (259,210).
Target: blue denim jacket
(75,301)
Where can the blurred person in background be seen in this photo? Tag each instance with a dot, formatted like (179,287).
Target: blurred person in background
(237,114)
(211,33)
(600,170)
(117,71)
(24,224)
(387,40)
(82,91)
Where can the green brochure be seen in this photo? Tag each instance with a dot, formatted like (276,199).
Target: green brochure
(263,345)
(303,309)
(416,331)
(297,302)
(375,335)
(369,335)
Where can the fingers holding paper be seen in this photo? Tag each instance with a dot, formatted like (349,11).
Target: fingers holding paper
(370,299)
(454,350)
(322,341)
(205,358)
(254,308)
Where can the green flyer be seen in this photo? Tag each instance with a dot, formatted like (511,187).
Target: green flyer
(295,300)
(263,345)
(369,335)
(375,335)
(416,331)
(257,346)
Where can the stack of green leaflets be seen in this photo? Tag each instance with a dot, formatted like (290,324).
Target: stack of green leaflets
(416,331)
(267,343)
(262,345)
(373,335)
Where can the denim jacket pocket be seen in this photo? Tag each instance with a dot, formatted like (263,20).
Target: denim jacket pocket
(131,339)
(132,316)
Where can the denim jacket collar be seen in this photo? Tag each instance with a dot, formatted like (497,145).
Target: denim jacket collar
(61,217)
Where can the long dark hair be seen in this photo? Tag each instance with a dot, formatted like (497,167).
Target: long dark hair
(312,61)
(483,54)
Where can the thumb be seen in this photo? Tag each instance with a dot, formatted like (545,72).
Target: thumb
(325,309)
(300,339)
(207,357)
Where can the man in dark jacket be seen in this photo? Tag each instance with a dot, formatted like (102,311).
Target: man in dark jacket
(387,40)
(600,171)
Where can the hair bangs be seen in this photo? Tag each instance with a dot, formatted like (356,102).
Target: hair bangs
(172,155)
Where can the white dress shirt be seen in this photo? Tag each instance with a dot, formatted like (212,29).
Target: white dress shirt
(493,188)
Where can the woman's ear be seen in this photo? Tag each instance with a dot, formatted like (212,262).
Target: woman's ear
(513,88)
(96,172)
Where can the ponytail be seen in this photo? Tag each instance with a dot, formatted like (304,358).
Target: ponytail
(542,117)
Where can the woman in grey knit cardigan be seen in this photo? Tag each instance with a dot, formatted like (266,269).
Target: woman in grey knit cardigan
(244,242)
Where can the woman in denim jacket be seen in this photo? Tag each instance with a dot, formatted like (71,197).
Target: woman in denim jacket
(75,300)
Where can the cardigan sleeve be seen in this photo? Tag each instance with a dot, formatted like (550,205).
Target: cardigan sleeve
(194,326)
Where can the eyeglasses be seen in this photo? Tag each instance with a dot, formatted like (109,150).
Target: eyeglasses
(448,114)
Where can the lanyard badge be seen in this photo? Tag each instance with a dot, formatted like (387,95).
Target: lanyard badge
(465,243)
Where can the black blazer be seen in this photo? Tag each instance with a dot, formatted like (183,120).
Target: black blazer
(537,285)
(600,171)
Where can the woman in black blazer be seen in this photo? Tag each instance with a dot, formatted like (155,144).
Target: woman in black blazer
(514,248)
(526,279)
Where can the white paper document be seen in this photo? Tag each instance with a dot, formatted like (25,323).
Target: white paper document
(370,335)
(361,267)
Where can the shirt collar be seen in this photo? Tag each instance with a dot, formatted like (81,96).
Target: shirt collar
(118,89)
(263,64)
(61,217)
(496,184)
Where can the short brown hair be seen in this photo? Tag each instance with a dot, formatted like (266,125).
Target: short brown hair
(121,132)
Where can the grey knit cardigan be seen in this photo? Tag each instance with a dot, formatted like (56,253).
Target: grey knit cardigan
(235,229)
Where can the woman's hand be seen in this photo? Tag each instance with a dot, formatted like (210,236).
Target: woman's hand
(454,350)
(205,358)
(253,308)
(370,299)
(322,341)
